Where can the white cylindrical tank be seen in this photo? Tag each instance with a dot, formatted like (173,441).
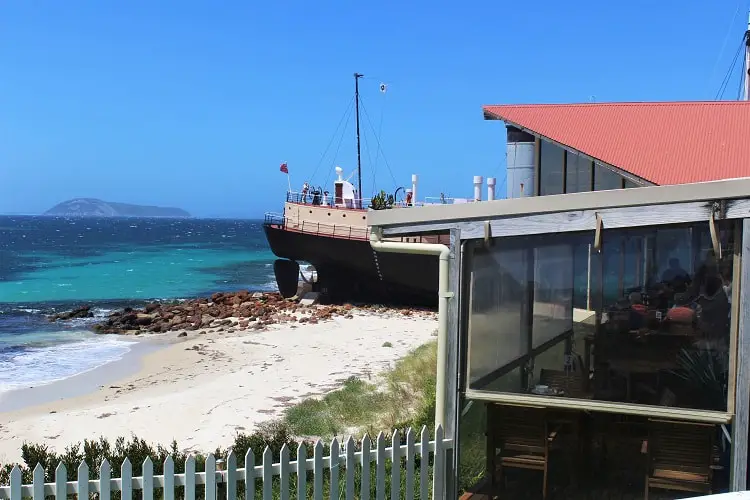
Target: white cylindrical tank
(490,188)
(520,163)
(478,187)
(414,189)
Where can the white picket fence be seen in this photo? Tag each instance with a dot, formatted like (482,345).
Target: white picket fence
(402,456)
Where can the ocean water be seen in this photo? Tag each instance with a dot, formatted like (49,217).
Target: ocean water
(49,265)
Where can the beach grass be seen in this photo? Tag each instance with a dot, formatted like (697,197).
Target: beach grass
(404,396)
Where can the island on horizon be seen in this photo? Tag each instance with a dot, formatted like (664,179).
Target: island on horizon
(92,207)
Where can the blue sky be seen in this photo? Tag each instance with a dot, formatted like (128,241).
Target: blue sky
(195,104)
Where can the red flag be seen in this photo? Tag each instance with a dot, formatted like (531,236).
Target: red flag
(283,168)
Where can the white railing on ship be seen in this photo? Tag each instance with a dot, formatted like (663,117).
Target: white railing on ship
(323,200)
(318,228)
(372,453)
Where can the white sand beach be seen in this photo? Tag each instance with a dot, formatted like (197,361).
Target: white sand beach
(202,389)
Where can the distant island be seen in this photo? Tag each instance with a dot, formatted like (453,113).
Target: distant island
(91,207)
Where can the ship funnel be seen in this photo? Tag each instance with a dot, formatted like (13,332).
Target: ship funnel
(490,188)
(520,163)
(478,180)
(340,173)
(414,189)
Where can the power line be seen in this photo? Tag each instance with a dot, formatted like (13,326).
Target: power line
(347,112)
(367,116)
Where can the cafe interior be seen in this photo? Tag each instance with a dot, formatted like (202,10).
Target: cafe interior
(599,364)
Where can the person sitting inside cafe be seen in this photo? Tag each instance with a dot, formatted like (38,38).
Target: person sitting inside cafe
(675,276)
(683,311)
(713,309)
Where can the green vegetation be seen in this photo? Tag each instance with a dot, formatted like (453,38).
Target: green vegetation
(405,397)
(273,435)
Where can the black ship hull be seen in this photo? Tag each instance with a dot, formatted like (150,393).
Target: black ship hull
(350,270)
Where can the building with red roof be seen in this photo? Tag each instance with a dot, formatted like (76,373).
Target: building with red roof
(566,148)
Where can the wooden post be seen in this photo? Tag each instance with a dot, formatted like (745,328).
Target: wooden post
(452,366)
(738,473)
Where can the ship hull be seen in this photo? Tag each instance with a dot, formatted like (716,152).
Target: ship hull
(350,270)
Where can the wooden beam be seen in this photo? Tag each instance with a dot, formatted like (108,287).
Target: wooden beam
(612,218)
(738,471)
(418,229)
(717,417)
(452,365)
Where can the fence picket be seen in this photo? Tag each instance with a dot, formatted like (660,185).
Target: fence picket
(409,464)
(335,469)
(438,464)
(148,479)
(83,480)
(395,465)
(169,478)
(284,472)
(16,481)
(126,473)
(61,482)
(210,490)
(190,477)
(249,475)
(380,468)
(105,476)
(318,471)
(267,474)
(366,468)
(424,461)
(38,477)
(403,462)
(232,475)
(301,472)
(350,467)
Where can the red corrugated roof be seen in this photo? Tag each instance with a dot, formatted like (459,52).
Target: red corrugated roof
(661,142)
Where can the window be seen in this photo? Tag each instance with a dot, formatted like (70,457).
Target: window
(578,173)
(661,297)
(630,184)
(551,169)
(605,179)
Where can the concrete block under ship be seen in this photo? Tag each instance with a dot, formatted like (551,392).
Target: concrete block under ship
(331,234)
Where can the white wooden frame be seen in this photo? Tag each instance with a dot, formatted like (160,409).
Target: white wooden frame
(613,218)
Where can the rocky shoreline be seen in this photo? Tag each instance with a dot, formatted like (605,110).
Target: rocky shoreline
(224,311)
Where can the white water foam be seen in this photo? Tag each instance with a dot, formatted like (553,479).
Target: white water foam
(43,364)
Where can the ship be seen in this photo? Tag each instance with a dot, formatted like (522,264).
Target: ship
(330,234)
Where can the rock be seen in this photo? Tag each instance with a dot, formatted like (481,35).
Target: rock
(182,334)
(78,312)
(152,307)
(227,311)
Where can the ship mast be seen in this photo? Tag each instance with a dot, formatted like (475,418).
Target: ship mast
(357,76)
(746,95)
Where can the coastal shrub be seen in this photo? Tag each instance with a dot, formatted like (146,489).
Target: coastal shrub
(93,452)
(273,434)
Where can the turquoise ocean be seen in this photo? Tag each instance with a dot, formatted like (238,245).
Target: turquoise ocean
(53,264)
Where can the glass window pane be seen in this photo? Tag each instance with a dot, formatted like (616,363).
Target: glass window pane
(578,174)
(551,169)
(498,300)
(663,303)
(630,184)
(553,292)
(605,179)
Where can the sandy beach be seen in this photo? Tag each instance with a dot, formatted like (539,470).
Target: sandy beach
(203,388)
